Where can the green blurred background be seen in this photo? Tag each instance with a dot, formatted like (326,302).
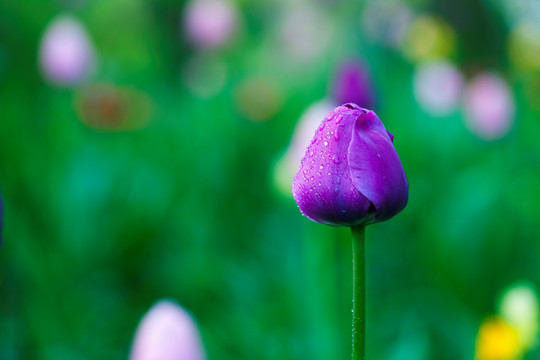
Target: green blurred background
(154,177)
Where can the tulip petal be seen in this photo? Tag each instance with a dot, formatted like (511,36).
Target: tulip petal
(375,168)
(322,188)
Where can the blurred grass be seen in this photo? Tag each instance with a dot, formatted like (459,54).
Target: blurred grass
(98,225)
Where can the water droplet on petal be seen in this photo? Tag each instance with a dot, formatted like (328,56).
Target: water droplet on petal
(336,159)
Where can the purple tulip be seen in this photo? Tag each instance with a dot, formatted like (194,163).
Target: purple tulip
(352,85)
(167,332)
(351,173)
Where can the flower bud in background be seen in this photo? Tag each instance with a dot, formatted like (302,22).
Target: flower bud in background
(167,332)
(489,106)
(519,307)
(438,87)
(209,23)
(353,85)
(497,340)
(66,53)
(351,173)
(288,164)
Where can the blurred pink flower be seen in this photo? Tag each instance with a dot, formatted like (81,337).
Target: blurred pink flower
(66,53)
(167,332)
(209,23)
(489,106)
(438,87)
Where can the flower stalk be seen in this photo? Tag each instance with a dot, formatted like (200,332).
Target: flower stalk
(359,293)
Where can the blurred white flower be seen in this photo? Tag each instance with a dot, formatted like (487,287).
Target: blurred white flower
(489,106)
(287,166)
(204,74)
(519,11)
(519,307)
(167,332)
(210,23)
(438,87)
(386,21)
(305,32)
(66,53)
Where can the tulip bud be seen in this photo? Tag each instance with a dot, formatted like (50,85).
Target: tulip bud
(351,173)
(66,54)
(167,332)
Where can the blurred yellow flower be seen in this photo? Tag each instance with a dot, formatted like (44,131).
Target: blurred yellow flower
(497,340)
(524,45)
(428,38)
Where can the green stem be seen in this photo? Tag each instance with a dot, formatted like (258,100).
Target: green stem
(359,294)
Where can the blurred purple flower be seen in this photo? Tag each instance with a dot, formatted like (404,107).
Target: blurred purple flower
(353,85)
(66,54)
(438,87)
(351,173)
(210,23)
(167,332)
(489,106)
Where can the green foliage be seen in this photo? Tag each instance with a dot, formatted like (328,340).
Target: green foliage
(99,224)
